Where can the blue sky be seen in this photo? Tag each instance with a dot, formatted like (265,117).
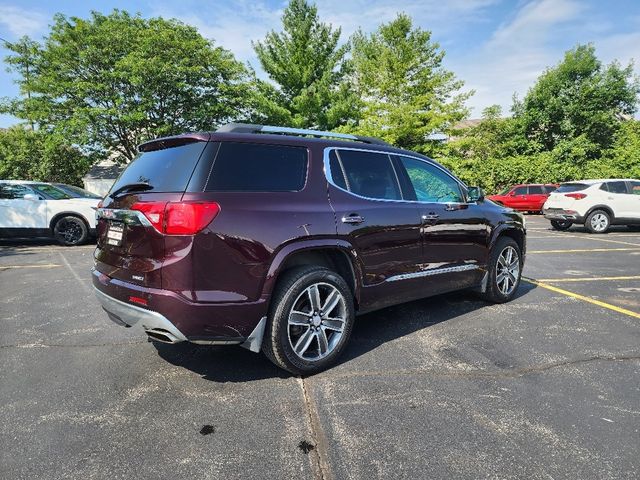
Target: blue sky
(497,47)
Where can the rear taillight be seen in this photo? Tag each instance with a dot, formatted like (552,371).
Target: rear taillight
(178,218)
(577,196)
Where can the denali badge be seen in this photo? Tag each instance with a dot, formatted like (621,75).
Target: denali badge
(140,278)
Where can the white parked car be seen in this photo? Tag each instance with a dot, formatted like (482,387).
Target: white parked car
(38,209)
(597,204)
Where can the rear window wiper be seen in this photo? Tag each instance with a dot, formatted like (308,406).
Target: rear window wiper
(129,187)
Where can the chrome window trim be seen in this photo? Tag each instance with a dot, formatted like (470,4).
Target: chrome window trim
(428,273)
(328,176)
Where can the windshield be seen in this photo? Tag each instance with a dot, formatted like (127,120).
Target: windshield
(76,192)
(51,191)
(571,187)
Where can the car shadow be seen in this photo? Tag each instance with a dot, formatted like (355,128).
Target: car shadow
(234,364)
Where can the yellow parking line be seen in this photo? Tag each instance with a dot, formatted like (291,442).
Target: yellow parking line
(583,250)
(587,279)
(42,265)
(595,237)
(577,296)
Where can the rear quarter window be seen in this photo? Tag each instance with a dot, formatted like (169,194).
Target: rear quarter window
(166,170)
(253,167)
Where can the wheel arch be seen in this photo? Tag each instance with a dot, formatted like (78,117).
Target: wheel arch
(59,215)
(511,231)
(606,208)
(338,256)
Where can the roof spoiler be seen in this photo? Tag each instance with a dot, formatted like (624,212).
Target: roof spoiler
(175,141)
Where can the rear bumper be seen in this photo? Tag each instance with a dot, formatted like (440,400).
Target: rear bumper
(171,315)
(562,215)
(154,324)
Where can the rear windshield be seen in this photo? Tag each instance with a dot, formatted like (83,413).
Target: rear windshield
(252,167)
(167,170)
(571,187)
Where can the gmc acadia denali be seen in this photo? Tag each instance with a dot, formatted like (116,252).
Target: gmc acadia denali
(276,238)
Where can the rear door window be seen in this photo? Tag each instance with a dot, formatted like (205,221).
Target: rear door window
(369,174)
(535,190)
(13,191)
(166,170)
(571,187)
(254,167)
(617,187)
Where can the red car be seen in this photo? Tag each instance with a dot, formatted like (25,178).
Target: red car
(526,198)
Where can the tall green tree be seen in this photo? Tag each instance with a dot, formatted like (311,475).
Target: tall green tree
(307,66)
(38,155)
(406,93)
(578,104)
(111,81)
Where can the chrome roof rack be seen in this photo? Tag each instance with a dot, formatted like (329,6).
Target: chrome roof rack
(250,128)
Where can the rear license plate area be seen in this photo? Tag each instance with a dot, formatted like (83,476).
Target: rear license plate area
(115,233)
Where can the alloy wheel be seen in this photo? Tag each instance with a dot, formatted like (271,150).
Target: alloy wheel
(69,231)
(599,222)
(508,270)
(316,321)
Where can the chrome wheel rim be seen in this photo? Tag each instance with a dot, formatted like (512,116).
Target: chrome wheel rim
(599,222)
(316,321)
(508,270)
(69,231)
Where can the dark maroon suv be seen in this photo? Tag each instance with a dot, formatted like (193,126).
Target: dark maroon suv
(275,238)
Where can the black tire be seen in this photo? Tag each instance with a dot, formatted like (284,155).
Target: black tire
(70,231)
(561,225)
(293,291)
(598,221)
(494,293)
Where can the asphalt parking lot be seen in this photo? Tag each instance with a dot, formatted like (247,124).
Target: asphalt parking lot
(448,387)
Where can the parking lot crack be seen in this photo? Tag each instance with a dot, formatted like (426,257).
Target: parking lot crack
(320,450)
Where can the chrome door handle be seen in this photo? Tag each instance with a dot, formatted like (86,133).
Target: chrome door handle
(431,216)
(353,219)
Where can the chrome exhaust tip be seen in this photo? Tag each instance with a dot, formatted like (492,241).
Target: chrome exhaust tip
(161,335)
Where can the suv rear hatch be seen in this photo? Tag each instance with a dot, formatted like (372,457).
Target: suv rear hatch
(566,195)
(143,222)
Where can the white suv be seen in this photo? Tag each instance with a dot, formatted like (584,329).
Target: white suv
(38,209)
(597,204)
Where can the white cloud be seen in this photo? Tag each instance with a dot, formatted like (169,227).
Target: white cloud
(517,52)
(20,21)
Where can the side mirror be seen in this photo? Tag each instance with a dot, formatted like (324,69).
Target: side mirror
(32,197)
(476,194)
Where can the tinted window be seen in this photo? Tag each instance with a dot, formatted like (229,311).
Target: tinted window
(251,167)
(51,191)
(571,187)
(166,170)
(430,183)
(76,191)
(336,170)
(617,187)
(369,174)
(550,188)
(520,191)
(635,188)
(535,190)
(10,191)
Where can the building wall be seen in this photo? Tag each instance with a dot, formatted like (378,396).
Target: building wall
(99,186)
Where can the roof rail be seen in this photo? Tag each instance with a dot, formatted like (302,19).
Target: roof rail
(250,128)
